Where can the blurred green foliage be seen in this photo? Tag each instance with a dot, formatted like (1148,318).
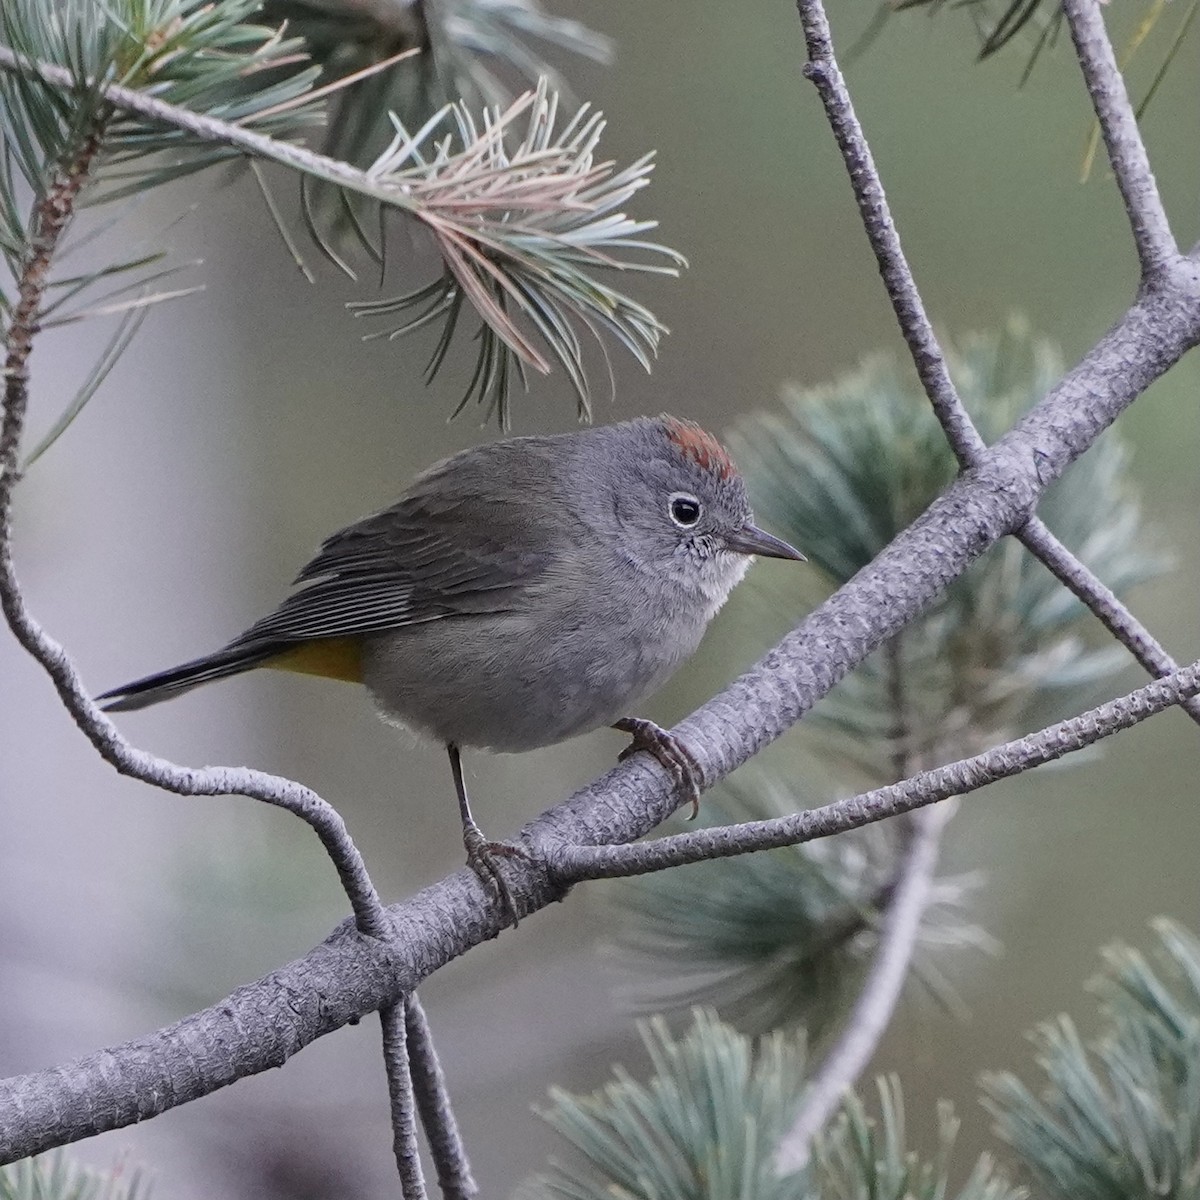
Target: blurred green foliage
(708,1124)
(54,1176)
(1118,1117)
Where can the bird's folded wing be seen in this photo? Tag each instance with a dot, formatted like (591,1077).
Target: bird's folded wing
(405,566)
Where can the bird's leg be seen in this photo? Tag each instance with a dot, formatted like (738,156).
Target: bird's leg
(482,854)
(670,752)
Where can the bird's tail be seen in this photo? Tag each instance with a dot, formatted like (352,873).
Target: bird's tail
(233,660)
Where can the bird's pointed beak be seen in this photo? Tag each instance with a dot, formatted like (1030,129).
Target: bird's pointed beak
(752,540)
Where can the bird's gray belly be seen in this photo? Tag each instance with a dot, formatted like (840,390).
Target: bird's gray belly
(498,682)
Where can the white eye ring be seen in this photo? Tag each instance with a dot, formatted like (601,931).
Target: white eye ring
(684,509)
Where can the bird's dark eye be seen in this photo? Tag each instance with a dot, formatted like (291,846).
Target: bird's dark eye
(685,509)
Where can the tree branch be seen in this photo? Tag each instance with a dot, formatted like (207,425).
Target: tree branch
(437,1114)
(262,1024)
(1156,245)
(1131,165)
(872,1011)
(1103,602)
(400,1100)
(823,70)
(577,863)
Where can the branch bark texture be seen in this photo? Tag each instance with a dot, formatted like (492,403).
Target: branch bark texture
(401,1103)
(350,975)
(261,1025)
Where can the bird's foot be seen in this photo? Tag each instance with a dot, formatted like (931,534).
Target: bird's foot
(669,751)
(482,858)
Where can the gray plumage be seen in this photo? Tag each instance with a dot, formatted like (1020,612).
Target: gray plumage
(520,592)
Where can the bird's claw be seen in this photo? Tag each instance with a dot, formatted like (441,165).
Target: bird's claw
(670,751)
(481,858)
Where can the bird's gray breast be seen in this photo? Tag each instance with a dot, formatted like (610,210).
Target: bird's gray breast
(572,652)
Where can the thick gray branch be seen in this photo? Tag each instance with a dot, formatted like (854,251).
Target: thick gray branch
(260,1026)
(263,1024)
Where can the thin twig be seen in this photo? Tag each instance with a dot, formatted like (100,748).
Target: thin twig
(1112,109)
(872,1011)
(1156,245)
(1115,617)
(822,69)
(213,129)
(51,216)
(437,1113)
(571,864)
(400,1100)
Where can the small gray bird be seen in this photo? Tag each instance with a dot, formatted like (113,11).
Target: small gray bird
(518,594)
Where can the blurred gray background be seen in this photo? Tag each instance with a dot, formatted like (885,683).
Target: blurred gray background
(249,421)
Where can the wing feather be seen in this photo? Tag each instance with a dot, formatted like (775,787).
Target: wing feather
(446,548)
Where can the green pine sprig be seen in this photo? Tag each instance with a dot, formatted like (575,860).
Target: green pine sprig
(522,211)
(708,1123)
(525,214)
(54,1176)
(1118,1116)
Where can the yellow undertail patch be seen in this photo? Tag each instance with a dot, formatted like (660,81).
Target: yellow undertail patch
(334,658)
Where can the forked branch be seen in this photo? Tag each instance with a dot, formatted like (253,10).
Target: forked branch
(1148,222)
(575,862)
(262,1024)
